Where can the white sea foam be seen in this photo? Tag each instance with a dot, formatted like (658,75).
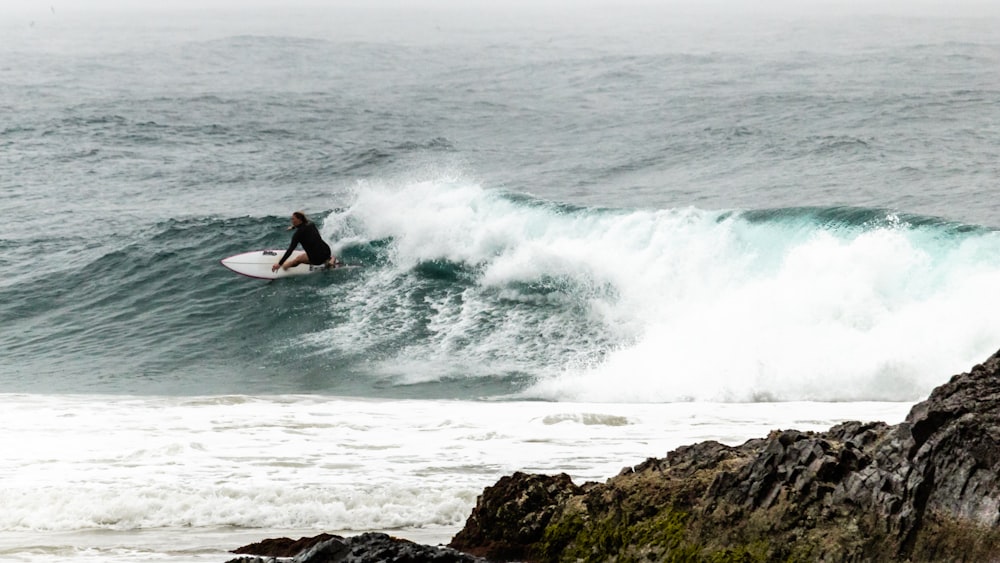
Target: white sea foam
(675,304)
(136,479)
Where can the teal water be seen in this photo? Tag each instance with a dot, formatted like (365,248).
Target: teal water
(465,292)
(543,210)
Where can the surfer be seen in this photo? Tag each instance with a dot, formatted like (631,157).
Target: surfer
(317,250)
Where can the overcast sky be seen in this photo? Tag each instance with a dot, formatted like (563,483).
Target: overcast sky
(812,7)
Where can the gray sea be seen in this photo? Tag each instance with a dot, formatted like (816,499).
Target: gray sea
(587,234)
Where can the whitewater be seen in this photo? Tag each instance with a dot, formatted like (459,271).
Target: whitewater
(105,478)
(587,237)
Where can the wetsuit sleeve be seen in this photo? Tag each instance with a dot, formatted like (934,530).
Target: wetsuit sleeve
(291,247)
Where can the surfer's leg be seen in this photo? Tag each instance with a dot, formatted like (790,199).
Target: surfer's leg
(299,259)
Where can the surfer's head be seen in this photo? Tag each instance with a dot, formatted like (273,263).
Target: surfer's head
(299,218)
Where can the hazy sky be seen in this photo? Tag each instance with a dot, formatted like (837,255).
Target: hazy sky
(894,7)
(716,24)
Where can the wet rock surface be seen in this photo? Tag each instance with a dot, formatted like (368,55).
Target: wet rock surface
(365,548)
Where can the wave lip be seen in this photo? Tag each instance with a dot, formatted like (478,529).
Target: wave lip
(467,292)
(682,304)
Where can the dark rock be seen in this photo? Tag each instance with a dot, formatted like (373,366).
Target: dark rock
(365,548)
(927,489)
(512,515)
(333,549)
(282,547)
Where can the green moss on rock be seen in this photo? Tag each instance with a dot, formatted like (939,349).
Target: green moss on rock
(665,537)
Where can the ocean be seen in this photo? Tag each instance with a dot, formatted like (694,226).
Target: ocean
(587,236)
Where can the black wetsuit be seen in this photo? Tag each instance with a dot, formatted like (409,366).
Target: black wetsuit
(316,249)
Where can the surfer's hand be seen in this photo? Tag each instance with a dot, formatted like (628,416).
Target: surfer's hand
(275,267)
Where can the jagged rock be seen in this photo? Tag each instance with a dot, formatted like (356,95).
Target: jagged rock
(365,548)
(512,514)
(927,489)
(283,547)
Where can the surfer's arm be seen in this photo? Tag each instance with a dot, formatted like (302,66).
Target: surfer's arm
(291,247)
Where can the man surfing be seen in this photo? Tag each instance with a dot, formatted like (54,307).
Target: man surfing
(317,251)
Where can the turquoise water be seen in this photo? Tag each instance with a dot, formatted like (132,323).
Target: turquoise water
(543,208)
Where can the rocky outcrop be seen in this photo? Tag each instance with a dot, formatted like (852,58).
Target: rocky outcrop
(520,504)
(284,547)
(365,548)
(927,489)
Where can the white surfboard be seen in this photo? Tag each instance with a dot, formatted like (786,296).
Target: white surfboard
(257,264)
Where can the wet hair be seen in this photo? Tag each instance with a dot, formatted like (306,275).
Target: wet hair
(301,217)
